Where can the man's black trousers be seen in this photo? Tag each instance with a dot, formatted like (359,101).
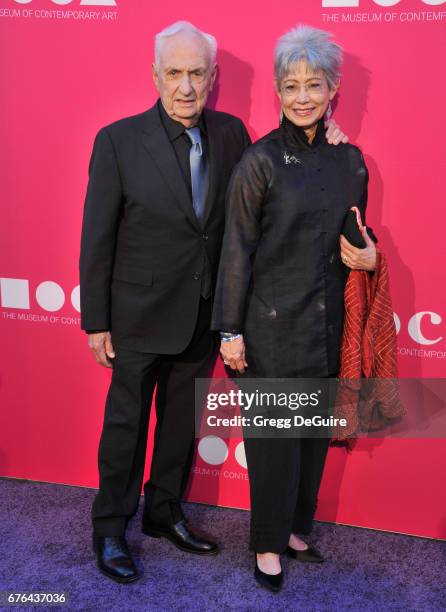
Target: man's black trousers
(122,448)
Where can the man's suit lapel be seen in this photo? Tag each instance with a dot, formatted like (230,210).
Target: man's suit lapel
(158,146)
(216,157)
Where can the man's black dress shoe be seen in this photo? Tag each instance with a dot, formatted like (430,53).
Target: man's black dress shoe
(180,535)
(309,555)
(114,558)
(273,582)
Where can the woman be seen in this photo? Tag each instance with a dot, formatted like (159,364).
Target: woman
(279,296)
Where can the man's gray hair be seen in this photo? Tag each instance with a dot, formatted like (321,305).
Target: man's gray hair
(311,45)
(184,26)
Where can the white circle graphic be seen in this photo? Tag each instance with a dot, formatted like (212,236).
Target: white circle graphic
(397,322)
(76,298)
(240,455)
(50,296)
(213,450)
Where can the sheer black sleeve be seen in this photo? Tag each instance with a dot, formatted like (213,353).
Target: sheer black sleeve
(362,203)
(246,192)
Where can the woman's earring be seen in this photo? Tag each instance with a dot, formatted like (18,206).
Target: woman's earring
(328,112)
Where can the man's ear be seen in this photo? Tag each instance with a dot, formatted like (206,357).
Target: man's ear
(213,76)
(155,75)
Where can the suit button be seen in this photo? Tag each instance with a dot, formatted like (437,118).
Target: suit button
(205,236)
(321,306)
(197,276)
(322,188)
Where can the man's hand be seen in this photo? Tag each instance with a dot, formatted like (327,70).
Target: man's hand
(102,348)
(233,354)
(334,135)
(359,259)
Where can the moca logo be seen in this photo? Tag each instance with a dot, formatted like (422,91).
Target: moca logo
(81,3)
(215,451)
(415,324)
(385,3)
(15,293)
(50,296)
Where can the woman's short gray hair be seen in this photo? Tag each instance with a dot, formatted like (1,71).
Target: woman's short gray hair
(311,45)
(184,26)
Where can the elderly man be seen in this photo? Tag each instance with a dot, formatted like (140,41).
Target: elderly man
(151,238)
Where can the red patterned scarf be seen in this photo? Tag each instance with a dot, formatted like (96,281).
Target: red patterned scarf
(368,350)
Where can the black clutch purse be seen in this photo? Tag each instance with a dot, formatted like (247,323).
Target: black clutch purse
(351,230)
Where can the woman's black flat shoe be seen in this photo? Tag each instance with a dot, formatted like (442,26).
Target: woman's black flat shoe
(309,555)
(273,582)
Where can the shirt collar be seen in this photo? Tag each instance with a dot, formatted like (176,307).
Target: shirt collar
(174,128)
(297,134)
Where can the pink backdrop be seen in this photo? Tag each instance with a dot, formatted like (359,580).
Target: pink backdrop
(70,67)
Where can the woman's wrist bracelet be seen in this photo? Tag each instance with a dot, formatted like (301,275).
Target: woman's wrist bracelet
(229,337)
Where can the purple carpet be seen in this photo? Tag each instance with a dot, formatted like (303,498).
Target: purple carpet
(45,538)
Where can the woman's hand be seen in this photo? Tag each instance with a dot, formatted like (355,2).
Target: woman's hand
(359,259)
(233,354)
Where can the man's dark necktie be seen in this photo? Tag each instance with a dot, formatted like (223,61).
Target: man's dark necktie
(199,180)
(198,172)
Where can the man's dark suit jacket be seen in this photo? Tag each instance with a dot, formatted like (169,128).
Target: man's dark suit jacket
(142,248)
